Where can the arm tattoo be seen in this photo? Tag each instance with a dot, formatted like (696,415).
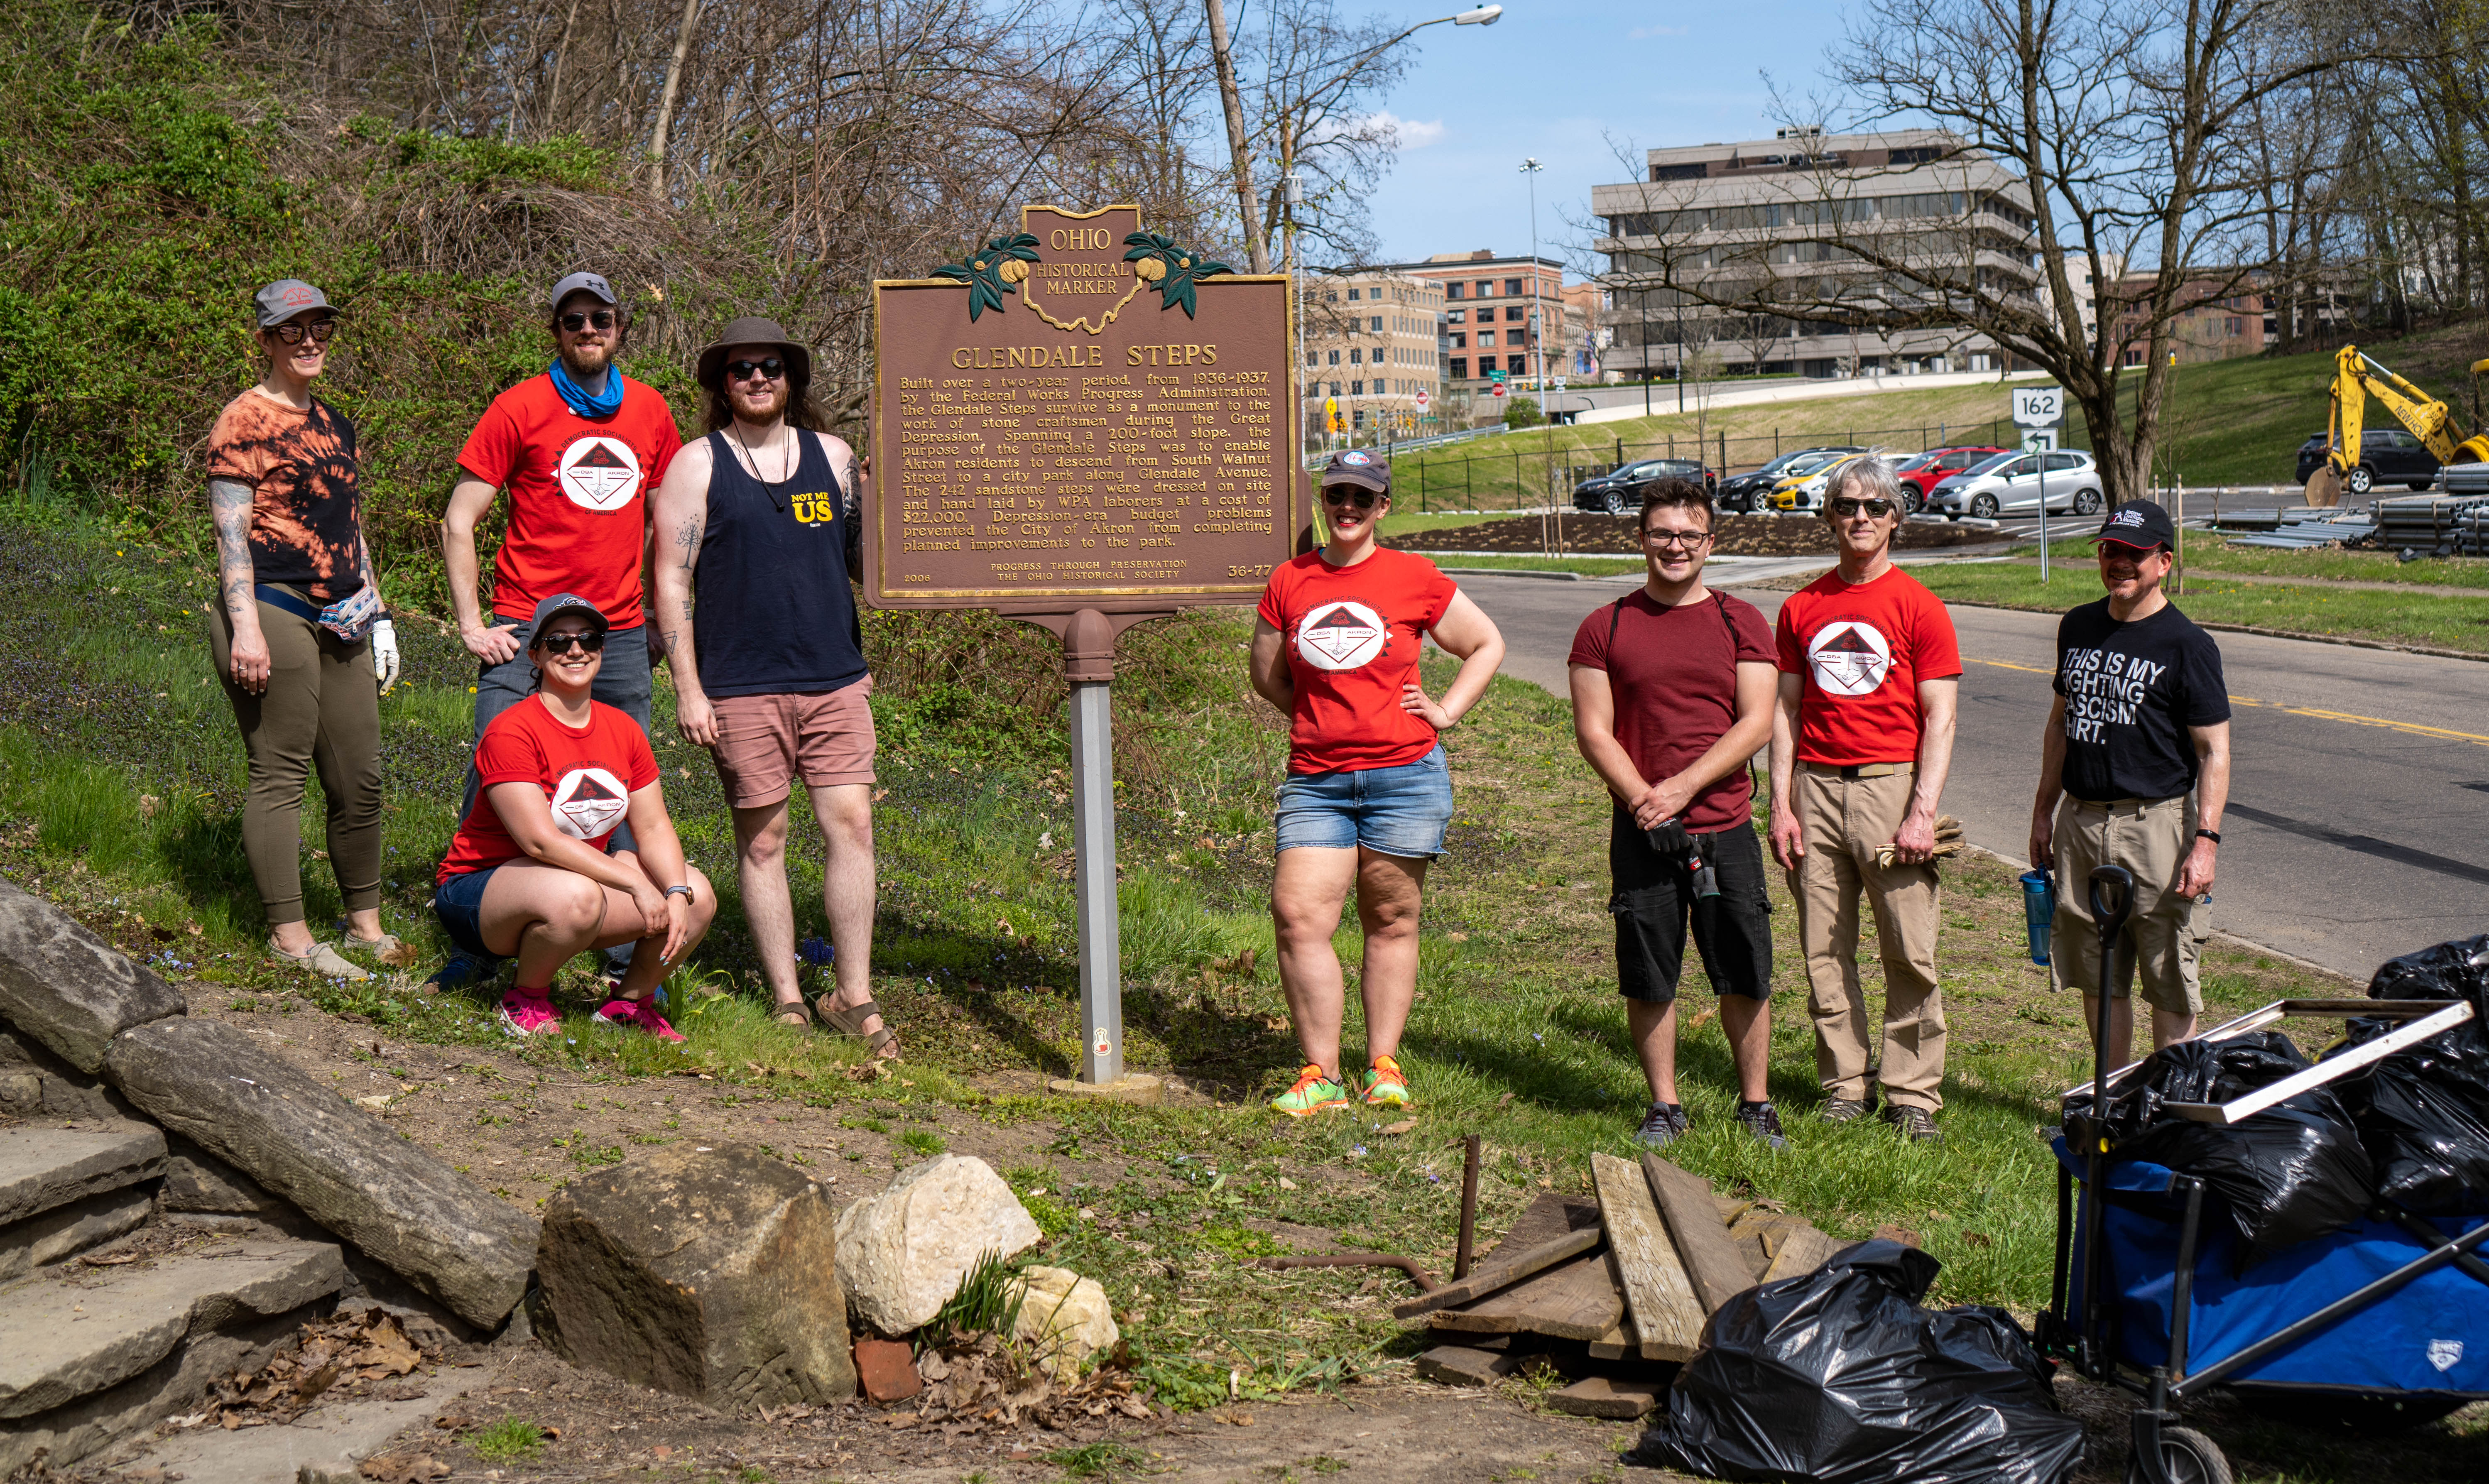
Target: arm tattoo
(687,539)
(855,515)
(229,503)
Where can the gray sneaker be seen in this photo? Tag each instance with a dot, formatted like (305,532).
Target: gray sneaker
(1764,1121)
(1917,1125)
(1843,1110)
(1662,1126)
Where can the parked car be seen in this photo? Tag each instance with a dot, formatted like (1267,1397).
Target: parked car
(2010,482)
(1750,492)
(2386,456)
(1919,471)
(1805,483)
(1620,490)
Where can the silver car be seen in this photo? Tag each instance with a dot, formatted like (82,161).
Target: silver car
(2010,483)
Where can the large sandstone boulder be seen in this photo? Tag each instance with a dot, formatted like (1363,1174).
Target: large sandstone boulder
(1064,1319)
(67,988)
(708,1272)
(903,1252)
(341,1166)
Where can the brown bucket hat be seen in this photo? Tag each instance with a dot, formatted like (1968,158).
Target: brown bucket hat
(750,331)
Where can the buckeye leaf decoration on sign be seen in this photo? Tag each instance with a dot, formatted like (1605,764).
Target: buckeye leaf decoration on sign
(991,274)
(1172,269)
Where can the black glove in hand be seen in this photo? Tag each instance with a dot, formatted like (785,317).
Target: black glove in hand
(1668,837)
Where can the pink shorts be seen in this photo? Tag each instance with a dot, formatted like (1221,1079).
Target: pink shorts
(764,741)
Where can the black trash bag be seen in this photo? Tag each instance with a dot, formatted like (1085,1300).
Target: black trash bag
(1839,1377)
(2424,1112)
(2294,1172)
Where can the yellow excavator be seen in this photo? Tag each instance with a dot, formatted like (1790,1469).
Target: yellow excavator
(2358,377)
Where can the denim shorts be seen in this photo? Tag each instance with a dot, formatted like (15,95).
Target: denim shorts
(459,903)
(1400,810)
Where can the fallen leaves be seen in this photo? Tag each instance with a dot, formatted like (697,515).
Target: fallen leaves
(402,1468)
(1405,1126)
(402,956)
(352,1350)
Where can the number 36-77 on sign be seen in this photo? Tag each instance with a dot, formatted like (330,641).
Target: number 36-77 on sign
(2039,407)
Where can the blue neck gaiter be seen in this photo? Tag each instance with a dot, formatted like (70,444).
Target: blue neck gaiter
(602,405)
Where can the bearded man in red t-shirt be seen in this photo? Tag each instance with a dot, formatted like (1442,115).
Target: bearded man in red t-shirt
(578,449)
(1862,741)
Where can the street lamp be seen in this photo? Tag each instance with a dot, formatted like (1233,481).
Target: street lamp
(1537,346)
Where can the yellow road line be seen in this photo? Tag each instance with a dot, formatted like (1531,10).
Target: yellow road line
(2318,713)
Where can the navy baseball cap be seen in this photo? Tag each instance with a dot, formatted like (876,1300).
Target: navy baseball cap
(1356,466)
(561,603)
(577,283)
(2141,524)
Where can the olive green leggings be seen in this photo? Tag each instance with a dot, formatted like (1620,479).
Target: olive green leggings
(322,709)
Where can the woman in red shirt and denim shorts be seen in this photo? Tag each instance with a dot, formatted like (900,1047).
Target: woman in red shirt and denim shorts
(1368,790)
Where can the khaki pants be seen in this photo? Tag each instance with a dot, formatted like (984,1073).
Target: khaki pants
(2163,933)
(1843,821)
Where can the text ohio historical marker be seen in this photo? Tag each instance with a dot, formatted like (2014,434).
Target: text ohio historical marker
(1081,415)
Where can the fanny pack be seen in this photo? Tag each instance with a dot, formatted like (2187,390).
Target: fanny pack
(350,617)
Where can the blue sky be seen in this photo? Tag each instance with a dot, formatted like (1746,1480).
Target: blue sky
(1553,79)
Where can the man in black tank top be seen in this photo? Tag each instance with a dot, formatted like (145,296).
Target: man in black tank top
(761,520)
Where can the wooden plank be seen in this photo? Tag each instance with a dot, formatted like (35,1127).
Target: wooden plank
(1597,1396)
(1759,1236)
(1804,1250)
(1575,1301)
(1618,1342)
(1500,1276)
(1666,1315)
(1686,1205)
(1545,1219)
(1463,1365)
(1731,1208)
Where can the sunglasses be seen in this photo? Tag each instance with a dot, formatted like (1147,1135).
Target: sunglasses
(1878,509)
(744,370)
(602,319)
(321,331)
(1687,540)
(1337,498)
(564,644)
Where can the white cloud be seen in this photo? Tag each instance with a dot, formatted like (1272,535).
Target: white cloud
(1648,32)
(1415,133)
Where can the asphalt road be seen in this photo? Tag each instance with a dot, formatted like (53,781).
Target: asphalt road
(2360,788)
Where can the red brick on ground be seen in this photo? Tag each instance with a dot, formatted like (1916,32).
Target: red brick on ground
(886,1370)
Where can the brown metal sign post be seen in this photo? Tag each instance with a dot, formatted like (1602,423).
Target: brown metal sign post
(1084,426)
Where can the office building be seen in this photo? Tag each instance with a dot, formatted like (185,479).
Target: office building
(1370,347)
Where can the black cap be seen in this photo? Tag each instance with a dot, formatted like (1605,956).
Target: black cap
(1356,466)
(561,603)
(2139,522)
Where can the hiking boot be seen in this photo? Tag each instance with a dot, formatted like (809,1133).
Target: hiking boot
(1312,1093)
(1917,1125)
(621,1015)
(460,971)
(1843,1110)
(1764,1121)
(1664,1125)
(1385,1085)
(525,1013)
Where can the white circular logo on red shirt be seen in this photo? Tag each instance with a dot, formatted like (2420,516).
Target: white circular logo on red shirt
(1849,657)
(588,802)
(1341,635)
(598,473)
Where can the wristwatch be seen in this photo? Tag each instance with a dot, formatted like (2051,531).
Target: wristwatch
(684,890)
(2215,836)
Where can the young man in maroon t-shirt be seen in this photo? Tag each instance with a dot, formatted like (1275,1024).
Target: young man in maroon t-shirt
(1671,697)
(1862,741)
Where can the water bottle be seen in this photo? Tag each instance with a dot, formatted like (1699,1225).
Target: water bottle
(2039,911)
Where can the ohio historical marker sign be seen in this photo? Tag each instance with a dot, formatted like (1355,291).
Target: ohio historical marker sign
(1083,414)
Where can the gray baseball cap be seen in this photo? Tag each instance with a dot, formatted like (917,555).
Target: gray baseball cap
(561,603)
(575,283)
(287,298)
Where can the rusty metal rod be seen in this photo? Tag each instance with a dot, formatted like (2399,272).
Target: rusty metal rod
(1469,1208)
(1418,1276)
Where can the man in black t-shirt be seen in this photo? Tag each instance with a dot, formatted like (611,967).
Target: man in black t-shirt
(2134,771)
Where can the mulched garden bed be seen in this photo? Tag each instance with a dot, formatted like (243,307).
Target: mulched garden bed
(1735,535)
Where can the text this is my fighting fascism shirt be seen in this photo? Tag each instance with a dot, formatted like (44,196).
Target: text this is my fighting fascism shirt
(2132,691)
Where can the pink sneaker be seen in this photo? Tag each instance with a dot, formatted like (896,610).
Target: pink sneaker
(636,1016)
(524,1014)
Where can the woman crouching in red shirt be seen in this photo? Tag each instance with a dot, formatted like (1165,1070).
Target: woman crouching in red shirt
(528,873)
(1369,789)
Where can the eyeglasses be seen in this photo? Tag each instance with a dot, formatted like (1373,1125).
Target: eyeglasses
(743,370)
(1878,509)
(321,331)
(562,643)
(602,319)
(1687,540)
(1363,500)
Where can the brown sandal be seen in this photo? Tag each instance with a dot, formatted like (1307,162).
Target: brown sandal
(850,1023)
(793,1016)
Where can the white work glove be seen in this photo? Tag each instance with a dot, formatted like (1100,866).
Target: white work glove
(384,662)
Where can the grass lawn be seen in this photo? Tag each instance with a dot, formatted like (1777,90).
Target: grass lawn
(2431,620)
(120,779)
